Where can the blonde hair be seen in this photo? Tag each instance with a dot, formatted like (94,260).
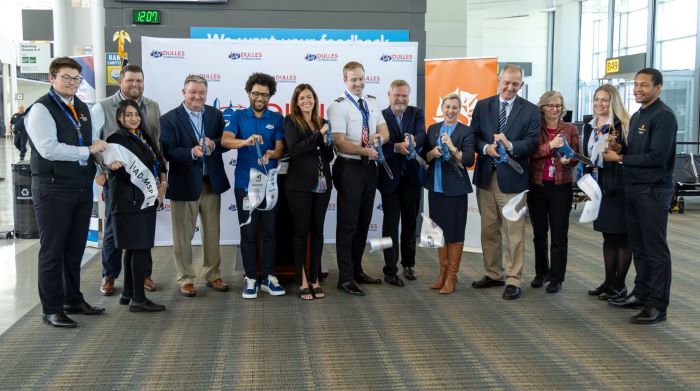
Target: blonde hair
(547,97)
(617,109)
(451,95)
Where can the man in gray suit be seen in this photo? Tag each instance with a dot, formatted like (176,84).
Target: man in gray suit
(104,120)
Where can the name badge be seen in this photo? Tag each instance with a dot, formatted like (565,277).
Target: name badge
(83,162)
(282,168)
(269,126)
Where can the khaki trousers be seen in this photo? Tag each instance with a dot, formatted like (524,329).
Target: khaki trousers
(184,219)
(495,229)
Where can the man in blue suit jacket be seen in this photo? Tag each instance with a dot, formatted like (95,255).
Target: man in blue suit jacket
(401,195)
(515,122)
(191,140)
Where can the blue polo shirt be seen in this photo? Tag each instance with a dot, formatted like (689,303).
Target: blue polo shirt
(244,124)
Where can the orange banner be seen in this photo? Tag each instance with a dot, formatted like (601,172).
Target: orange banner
(471,78)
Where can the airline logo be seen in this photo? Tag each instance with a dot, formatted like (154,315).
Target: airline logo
(321,57)
(289,78)
(167,53)
(245,56)
(397,57)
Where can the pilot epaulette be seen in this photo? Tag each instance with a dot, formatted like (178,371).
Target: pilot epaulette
(340,99)
(371,96)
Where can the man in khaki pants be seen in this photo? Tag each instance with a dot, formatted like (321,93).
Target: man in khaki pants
(191,141)
(514,122)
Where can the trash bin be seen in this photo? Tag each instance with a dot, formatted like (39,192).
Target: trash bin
(25,219)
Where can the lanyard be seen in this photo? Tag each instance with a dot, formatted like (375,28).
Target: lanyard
(70,113)
(156,163)
(363,109)
(197,131)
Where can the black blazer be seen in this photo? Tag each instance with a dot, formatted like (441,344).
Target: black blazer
(452,184)
(522,130)
(127,198)
(305,147)
(610,177)
(412,122)
(177,139)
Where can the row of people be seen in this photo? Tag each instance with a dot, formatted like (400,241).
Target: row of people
(194,135)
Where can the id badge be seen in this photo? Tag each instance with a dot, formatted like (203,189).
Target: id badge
(83,162)
(246,204)
(551,171)
(322,187)
(282,168)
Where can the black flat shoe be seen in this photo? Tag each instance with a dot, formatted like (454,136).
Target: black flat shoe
(394,280)
(537,282)
(612,294)
(83,308)
(597,291)
(59,320)
(553,287)
(351,288)
(649,315)
(146,306)
(362,278)
(512,292)
(487,282)
(629,301)
(409,273)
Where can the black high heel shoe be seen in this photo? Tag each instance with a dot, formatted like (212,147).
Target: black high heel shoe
(613,293)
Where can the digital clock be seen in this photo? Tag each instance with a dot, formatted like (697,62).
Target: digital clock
(145,17)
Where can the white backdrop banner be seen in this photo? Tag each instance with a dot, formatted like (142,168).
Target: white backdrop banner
(226,64)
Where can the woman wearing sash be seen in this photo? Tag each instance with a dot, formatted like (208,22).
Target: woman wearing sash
(551,192)
(135,227)
(448,143)
(611,122)
(308,185)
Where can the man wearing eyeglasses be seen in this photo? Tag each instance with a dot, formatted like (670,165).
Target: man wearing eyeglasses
(104,120)
(512,122)
(256,125)
(191,142)
(63,167)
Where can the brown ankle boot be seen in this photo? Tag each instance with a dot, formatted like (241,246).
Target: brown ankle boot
(441,278)
(451,280)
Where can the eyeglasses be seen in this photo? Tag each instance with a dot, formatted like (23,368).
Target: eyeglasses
(263,95)
(68,79)
(555,107)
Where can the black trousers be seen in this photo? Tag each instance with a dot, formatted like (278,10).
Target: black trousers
(356,182)
(309,213)
(266,221)
(549,207)
(402,204)
(63,219)
(20,141)
(134,273)
(647,220)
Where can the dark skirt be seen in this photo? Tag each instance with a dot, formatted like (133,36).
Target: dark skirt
(611,218)
(450,214)
(135,231)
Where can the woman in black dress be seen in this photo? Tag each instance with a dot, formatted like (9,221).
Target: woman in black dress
(308,185)
(449,186)
(612,122)
(135,227)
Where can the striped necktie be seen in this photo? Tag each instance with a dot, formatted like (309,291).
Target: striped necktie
(502,117)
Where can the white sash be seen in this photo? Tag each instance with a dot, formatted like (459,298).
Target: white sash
(592,190)
(260,188)
(139,174)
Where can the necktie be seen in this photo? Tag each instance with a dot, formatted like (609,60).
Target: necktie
(365,126)
(502,117)
(72,110)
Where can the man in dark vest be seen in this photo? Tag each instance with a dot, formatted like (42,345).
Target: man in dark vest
(63,168)
(104,121)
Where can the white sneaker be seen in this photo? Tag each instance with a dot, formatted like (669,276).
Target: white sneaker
(272,286)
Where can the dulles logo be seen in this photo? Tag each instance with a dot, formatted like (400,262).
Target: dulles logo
(397,57)
(167,53)
(373,79)
(321,57)
(245,56)
(212,77)
(289,78)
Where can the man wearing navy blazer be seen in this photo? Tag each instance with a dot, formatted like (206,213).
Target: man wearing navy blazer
(401,195)
(515,122)
(191,140)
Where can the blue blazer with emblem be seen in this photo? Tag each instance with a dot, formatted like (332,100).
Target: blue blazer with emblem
(185,177)
(522,130)
(412,122)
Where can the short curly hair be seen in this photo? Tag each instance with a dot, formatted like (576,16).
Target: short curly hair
(264,80)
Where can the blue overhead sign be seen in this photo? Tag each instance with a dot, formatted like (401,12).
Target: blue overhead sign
(299,34)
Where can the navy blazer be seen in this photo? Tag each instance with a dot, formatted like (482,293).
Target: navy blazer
(522,130)
(452,184)
(177,138)
(412,122)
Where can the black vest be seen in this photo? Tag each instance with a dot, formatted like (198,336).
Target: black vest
(48,175)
